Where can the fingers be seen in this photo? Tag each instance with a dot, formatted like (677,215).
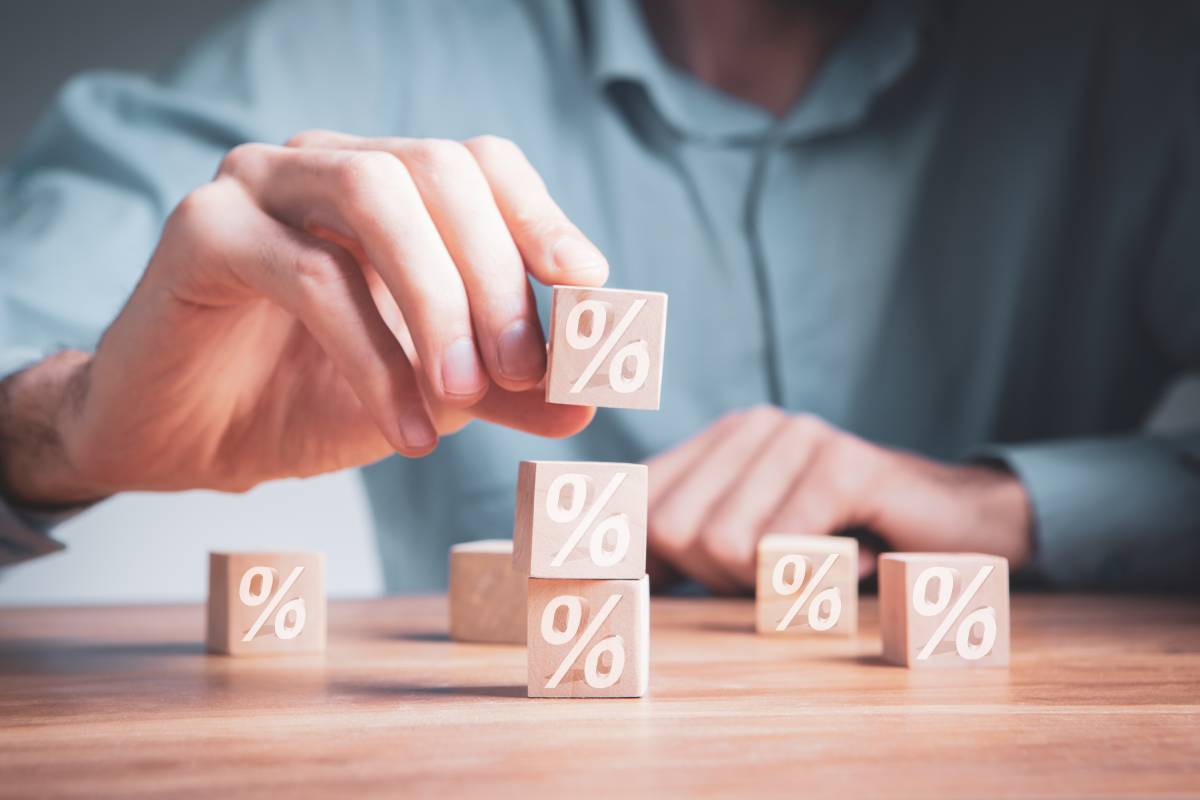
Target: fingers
(662,575)
(666,469)
(868,561)
(425,220)
(460,203)
(502,304)
(679,519)
(371,197)
(528,411)
(741,516)
(554,249)
(831,492)
(322,286)
(713,497)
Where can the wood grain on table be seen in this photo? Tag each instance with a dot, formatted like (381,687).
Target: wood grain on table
(1102,699)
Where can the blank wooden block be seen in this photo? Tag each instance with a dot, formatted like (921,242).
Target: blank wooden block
(487,596)
(260,603)
(807,584)
(606,347)
(944,609)
(580,519)
(589,638)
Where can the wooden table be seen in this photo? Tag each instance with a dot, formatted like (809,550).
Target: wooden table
(1102,699)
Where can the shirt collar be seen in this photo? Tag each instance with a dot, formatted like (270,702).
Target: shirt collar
(873,57)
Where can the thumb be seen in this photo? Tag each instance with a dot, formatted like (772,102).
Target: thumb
(528,411)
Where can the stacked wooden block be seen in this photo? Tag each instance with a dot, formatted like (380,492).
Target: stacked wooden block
(580,537)
(580,529)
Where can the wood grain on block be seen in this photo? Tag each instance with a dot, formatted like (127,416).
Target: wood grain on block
(944,609)
(580,519)
(261,603)
(589,638)
(606,347)
(807,584)
(487,596)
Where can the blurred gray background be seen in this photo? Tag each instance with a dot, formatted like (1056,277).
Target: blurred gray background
(145,547)
(44,42)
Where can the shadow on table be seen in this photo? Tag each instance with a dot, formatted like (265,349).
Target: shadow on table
(726,627)
(398,690)
(42,656)
(422,636)
(873,660)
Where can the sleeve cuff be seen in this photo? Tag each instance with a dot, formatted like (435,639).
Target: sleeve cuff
(26,535)
(1112,513)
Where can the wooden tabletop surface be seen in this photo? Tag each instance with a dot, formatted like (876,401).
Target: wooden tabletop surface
(1102,699)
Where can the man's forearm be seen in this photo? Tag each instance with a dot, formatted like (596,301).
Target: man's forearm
(36,470)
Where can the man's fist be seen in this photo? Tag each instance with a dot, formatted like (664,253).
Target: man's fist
(763,470)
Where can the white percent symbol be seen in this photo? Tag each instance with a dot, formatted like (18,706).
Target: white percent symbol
(556,637)
(826,607)
(984,617)
(284,628)
(617,524)
(637,350)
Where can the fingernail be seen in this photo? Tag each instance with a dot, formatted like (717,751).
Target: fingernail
(416,432)
(520,351)
(575,255)
(461,371)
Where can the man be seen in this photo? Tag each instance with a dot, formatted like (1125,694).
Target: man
(965,230)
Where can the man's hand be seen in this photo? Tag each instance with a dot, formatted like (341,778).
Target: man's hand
(763,471)
(317,306)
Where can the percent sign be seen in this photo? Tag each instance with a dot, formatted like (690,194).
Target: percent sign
(284,628)
(617,524)
(637,351)
(984,617)
(826,607)
(612,645)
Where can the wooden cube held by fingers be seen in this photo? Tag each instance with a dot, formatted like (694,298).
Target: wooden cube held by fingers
(944,609)
(263,603)
(589,638)
(487,596)
(606,347)
(580,519)
(806,584)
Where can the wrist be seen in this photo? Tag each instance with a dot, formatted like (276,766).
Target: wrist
(925,505)
(36,470)
(1004,512)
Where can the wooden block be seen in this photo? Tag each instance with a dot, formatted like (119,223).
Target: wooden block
(260,603)
(944,609)
(589,638)
(606,347)
(807,584)
(487,596)
(580,519)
